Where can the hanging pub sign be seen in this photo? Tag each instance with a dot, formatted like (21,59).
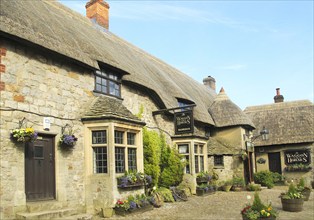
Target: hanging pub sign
(297,157)
(184,122)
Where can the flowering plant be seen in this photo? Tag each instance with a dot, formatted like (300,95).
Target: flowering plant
(292,193)
(258,210)
(67,140)
(133,178)
(122,204)
(24,134)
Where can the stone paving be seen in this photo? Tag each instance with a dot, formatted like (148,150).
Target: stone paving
(223,205)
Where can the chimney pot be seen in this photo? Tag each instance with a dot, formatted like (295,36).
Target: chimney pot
(278,98)
(210,82)
(98,10)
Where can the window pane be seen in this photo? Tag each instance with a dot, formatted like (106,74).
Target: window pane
(131,138)
(187,166)
(118,137)
(119,156)
(183,148)
(99,137)
(98,87)
(132,159)
(196,165)
(195,149)
(98,80)
(202,163)
(100,159)
(218,160)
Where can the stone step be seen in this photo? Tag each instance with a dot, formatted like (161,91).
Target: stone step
(43,205)
(76,217)
(50,214)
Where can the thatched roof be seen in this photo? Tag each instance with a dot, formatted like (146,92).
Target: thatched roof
(110,108)
(287,122)
(53,26)
(220,146)
(226,113)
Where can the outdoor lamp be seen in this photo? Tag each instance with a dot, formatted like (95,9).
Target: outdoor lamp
(264,133)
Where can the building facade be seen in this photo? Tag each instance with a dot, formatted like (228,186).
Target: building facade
(289,148)
(64,74)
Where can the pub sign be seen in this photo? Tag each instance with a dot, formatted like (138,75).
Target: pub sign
(184,122)
(297,157)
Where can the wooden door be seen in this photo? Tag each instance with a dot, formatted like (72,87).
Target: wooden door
(40,169)
(274,162)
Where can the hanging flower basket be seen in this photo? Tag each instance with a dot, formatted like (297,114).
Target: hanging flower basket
(23,135)
(67,141)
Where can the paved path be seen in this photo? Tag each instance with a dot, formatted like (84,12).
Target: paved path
(223,205)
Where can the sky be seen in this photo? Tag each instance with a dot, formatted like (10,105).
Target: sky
(249,47)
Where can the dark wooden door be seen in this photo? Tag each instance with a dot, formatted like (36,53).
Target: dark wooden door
(274,162)
(40,169)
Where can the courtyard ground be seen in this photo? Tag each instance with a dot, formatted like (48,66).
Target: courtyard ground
(223,205)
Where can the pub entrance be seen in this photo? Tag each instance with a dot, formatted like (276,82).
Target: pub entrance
(274,162)
(40,169)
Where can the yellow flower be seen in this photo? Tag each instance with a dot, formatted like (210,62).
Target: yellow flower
(29,130)
(268,214)
(269,209)
(263,211)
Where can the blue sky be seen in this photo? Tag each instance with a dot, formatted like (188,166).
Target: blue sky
(249,47)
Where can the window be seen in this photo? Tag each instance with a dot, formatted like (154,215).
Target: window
(131,138)
(218,160)
(119,157)
(100,157)
(107,83)
(125,151)
(199,157)
(184,150)
(132,159)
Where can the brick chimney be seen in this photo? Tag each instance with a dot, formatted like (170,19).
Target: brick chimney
(210,83)
(98,11)
(278,98)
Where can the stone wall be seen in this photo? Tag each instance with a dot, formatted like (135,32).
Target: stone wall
(36,85)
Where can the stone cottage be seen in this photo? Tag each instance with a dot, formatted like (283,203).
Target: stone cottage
(63,73)
(289,148)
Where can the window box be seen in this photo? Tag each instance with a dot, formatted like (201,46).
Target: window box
(133,179)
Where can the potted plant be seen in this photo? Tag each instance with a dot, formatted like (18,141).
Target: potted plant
(226,185)
(304,190)
(137,203)
(67,141)
(24,135)
(258,210)
(203,177)
(238,183)
(292,200)
(204,189)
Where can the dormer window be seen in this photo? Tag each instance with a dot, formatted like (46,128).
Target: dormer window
(182,103)
(108,83)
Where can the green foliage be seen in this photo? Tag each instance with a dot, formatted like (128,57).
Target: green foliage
(277,177)
(141,111)
(171,166)
(265,178)
(253,187)
(152,152)
(257,203)
(160,161)
(166,194)
(292,193)
(238,181)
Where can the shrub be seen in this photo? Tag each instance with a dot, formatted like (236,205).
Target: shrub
(151,143)
(166,194)
(253,187)
(292,193)
(171,166)
(265,178)
(238,181)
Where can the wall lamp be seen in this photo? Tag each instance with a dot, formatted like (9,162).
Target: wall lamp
(263,133)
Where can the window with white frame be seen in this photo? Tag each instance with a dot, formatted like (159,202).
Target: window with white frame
(100,151)
(184,150)
(199,157)
(125,151)
(108,82)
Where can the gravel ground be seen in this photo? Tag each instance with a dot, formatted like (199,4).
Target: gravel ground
(223,205)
